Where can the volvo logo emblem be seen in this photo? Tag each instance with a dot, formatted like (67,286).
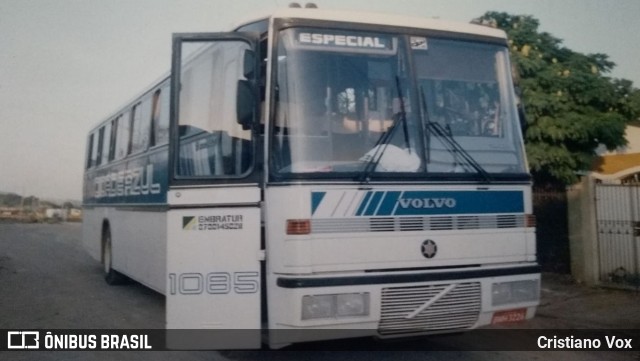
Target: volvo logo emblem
(420,203)
(429,248)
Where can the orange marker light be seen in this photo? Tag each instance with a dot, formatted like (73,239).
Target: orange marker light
(298,226)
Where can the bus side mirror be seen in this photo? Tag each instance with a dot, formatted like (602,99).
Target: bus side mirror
(245,103)
(245,99)
(249,65)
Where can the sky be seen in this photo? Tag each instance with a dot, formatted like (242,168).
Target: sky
(66,65)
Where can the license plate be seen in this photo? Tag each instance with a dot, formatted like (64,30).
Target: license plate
(509,316)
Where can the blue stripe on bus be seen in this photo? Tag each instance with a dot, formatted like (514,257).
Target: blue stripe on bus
(373,205)
(140,180)
(316,199)
(388,203)
(459,202)
(417,203)
(363,204)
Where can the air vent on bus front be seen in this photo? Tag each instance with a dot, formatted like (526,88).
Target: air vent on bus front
(429,308)
(407,224)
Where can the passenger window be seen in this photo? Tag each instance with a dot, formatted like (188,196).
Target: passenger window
(100,146)
(106,142)
(136,130)
(122,140)
(132,121)
(112,139)
(90,152)
(160,117)
(140,119)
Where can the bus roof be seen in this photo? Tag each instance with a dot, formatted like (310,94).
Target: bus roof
(359,17)
(383,19)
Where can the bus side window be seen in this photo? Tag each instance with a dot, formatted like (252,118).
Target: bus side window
(90,152)
(160,117)
(100,146)
(140,122)
(106,143)
(112,139)
(122,139)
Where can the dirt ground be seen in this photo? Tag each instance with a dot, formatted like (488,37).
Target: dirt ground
(49,281)
(566,304)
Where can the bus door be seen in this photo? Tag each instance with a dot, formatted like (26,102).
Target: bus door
(213,245)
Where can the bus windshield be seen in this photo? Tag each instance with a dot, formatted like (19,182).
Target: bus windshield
(354,103)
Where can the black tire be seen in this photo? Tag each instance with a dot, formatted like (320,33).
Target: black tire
(112,276)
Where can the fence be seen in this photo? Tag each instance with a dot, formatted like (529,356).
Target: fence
(618,233)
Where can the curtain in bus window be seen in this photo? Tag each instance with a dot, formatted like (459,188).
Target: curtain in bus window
(105,135)
(122,139)
(90,151)
(100,146)
(162,135)
(140,121)
(112,139)
(160,117)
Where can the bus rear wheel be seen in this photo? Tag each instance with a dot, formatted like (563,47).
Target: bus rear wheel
(112,276)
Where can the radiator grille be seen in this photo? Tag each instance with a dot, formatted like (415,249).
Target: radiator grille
(456,310)
(431,223)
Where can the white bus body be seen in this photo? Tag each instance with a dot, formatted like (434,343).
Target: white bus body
(320,175)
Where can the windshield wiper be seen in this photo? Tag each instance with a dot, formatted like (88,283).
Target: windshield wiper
(450,143)
(386,136)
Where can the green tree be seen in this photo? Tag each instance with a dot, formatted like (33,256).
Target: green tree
(572,107)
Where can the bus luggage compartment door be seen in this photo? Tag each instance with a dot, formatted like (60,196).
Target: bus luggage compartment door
(213,278)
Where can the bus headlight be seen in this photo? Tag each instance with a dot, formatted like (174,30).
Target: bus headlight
(332,306)
(318,306)
(514,292)
(352,304)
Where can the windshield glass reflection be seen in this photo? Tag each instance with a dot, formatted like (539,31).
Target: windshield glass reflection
(345,103)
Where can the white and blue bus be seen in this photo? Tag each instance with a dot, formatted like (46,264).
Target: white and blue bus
(360,174)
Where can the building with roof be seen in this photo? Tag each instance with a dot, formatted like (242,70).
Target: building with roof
(621,166)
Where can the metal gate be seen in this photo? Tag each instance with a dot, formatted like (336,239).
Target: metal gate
(618,225)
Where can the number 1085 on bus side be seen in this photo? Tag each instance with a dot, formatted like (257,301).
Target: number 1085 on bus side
(214,283)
